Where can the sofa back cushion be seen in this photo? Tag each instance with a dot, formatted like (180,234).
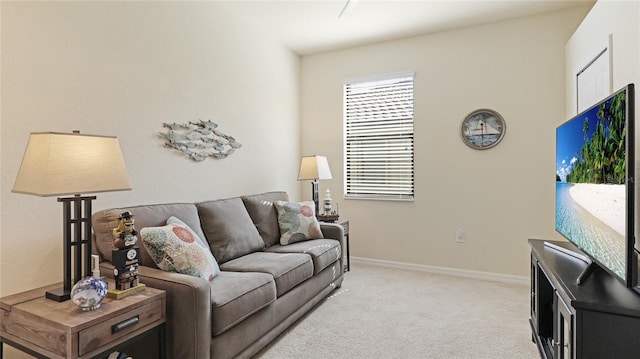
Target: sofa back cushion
(229,229)
(155,215)
(264,215)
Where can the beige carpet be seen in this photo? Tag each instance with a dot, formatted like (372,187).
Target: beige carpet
(390,313)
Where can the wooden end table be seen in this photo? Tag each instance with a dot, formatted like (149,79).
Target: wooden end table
(345,226)
(60,330)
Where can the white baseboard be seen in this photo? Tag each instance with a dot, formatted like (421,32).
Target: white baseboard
(495,277)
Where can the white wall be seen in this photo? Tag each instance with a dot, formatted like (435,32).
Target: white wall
(122,69)
(502,196)
(621,20)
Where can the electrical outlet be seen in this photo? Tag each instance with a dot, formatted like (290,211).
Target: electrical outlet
(460,235)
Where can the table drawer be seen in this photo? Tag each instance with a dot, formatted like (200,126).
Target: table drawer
(111,330)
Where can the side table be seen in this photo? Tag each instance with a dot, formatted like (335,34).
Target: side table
(345,225)
(48,329)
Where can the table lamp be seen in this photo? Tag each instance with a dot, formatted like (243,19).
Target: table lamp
(59,164)
(314,168)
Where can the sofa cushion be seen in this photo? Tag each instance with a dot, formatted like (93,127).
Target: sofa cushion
(235,296)
(288,269)
(177,248)
(297,221)
(229,229)
(264,215)
(323,252)
(155,215)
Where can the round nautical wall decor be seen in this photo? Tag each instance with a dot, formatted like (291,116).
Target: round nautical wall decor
(482,129)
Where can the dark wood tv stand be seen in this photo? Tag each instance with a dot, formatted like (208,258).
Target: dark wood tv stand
(600,318)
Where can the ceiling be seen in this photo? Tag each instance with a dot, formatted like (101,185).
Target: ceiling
(313,26)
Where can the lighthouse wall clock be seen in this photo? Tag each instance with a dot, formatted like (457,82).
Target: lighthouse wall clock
(482,129)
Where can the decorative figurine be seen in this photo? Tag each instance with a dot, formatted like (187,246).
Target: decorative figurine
(328,213)
(125,258)
(127,277)
(125,235)
(327,202)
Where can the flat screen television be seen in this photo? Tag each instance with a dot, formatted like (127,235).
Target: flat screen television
(595,182)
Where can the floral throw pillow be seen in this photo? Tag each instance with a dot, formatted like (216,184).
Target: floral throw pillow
(297,221)
(177,248)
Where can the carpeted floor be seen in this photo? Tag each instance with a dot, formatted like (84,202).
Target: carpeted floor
(390,313)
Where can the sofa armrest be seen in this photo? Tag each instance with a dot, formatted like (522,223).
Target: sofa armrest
(188,310)
(332,231)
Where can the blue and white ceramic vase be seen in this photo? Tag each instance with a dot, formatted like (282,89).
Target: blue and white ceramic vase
(89,292)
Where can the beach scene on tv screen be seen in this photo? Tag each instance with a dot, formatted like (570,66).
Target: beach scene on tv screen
(590,182)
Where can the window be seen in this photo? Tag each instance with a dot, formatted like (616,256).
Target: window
(378,119)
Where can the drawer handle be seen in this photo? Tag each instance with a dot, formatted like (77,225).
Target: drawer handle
(125,324)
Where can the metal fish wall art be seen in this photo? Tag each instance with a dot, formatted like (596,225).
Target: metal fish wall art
(199,140)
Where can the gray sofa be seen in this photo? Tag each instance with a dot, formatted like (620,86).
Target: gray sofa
(263,287)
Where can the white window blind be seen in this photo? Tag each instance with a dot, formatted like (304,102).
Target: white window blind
(378,118)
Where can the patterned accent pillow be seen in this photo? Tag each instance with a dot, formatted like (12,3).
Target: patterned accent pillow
(297,221)
(177,248)
(179,222)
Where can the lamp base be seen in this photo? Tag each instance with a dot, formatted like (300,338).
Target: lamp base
(58,294)
(314,195)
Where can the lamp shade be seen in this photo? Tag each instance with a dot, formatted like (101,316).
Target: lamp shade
(56,164)
(314,167)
